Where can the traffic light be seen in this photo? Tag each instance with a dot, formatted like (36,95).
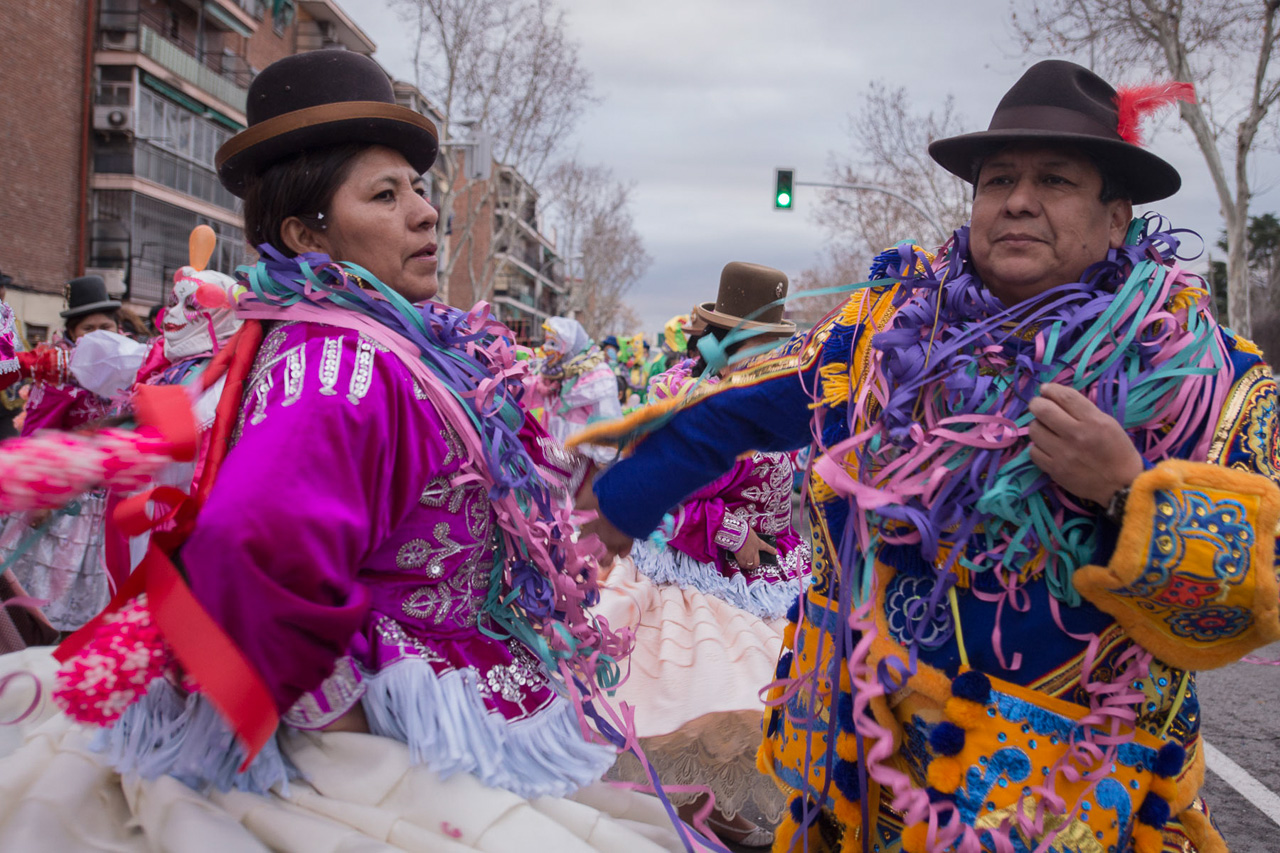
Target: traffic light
(782,194)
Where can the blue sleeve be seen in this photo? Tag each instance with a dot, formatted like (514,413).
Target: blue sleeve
(699,444)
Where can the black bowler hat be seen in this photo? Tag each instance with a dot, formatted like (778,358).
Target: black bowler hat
(319,98)
(744,290)
(88,295)
(1059,102)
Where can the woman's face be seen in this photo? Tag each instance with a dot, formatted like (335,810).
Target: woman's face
(92,323)
(381,220)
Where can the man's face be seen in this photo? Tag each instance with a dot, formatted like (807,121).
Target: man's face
(1038,222)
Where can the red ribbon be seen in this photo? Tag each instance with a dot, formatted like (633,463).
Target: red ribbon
(225,676)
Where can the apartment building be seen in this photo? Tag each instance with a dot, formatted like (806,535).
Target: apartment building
(504,255)
(116,135)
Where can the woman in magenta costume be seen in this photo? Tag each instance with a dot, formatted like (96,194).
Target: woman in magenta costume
(384,545)
(58,557)
(708,603)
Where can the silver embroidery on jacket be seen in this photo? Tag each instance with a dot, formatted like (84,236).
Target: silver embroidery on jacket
(439,491)
(362,376)
(341,691)
(295,372)
(453,444)
(260,392)
(420,554)
(732,534)
(330,366)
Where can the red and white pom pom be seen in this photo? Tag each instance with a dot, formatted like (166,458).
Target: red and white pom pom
(114,669)
(48,469)
(1135,103)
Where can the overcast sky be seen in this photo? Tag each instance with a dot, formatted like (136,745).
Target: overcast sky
(703,98)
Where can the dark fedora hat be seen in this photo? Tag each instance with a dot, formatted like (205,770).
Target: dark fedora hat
(744,290)
(1059,102)
(88,295)
(319,98)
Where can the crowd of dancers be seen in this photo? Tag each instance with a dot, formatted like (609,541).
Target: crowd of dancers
(331,566)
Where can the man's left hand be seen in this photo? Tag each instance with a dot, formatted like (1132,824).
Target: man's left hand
(1083,449)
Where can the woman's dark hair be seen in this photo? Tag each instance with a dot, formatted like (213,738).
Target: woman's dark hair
(302,186)
(73,323)
(700,363)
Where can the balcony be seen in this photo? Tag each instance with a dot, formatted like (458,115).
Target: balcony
(144,160)
(223,75)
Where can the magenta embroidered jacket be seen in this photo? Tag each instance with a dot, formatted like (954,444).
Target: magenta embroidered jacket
(338,552)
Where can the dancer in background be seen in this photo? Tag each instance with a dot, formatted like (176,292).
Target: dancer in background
(576,385)
(707,603)
(57,556)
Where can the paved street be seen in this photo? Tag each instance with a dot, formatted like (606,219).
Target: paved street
(1241,719)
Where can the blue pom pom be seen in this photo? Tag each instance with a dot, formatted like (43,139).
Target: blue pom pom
(881,263)
(946,738)
(784,666)
(1154,811)
(775,720)
(844,712)
(936,796)
(845,775)
(793,612)
(797,809)
(972,685)
(1169,759)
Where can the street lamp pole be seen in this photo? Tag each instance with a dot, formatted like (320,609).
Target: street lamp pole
(942,232)
(574,284)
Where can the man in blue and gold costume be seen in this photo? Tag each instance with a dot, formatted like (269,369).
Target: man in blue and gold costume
(1044,494)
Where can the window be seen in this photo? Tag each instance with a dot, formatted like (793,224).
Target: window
(176,147)
(174,128)
(115,84)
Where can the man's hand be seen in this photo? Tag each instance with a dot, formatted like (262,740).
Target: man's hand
(748,556)
(616,543)
(1084,450)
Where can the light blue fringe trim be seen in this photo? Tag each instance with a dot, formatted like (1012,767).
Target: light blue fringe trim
(448,728)
(184,737)
(764,600)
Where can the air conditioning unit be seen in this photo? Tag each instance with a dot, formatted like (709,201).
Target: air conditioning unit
(113,277)
(112,119)
(119,40)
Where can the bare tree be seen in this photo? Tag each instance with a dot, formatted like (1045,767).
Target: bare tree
(509,68)
(837,266)
(607,256)
(888,147)
(1224,47)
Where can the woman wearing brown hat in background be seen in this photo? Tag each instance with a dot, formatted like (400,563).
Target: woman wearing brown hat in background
(58,556)
(344,555)
(708,603)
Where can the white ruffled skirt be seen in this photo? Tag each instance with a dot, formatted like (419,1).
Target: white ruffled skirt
(65,565)
(695,676)
(358,792)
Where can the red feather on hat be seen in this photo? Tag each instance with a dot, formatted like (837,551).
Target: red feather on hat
(1136,102)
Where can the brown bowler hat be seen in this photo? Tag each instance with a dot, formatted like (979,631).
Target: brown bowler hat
(744,290)
(319,98)
(1059,102)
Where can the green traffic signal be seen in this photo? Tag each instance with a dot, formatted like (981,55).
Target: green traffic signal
(782,195)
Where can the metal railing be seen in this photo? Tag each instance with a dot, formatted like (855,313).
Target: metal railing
(145,160)
(224,76)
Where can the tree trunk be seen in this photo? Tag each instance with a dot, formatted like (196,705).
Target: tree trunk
(1239,315)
